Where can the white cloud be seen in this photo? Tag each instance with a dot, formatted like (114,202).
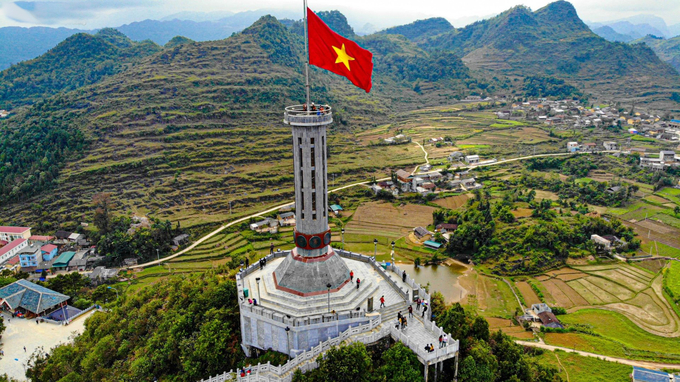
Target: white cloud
(380,13)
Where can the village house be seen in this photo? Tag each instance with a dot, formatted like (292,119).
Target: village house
(588,147)
(102,274)
(286,219)
(12,249)
(446,227)
(472,159)
(667,156)
(9,234)
(179,240)
(30,256)
(422,234)
(31,299)
(572,147)
(264,225)
(610,146)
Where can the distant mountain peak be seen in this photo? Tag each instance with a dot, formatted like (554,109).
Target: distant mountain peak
(275,39)
(178,40)
(420,29)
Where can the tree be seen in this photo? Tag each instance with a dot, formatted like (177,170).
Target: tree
(470,371)
(676,210)
(102,213)
(400,364)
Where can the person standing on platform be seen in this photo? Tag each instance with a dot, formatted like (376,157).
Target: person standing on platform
(358,282)
(382,301)
(410,311)
(351,276)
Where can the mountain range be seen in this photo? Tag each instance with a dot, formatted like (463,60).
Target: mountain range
(166,127)
(636,27)
(21,44)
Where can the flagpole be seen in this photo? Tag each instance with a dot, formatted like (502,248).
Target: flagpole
(306,55)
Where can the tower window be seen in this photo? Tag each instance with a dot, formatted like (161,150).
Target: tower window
(302,178)
(312,140)
(300,156)
(313,179)
(302,201)
(314,201)
(313,158)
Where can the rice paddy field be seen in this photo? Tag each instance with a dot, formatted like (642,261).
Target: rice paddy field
(617,309)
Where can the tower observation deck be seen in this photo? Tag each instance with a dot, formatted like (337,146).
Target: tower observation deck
(312,268)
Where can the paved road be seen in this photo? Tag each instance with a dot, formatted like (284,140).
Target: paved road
(215,232)
(645,364)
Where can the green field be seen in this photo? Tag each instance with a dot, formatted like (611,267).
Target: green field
(615,335)
(574,367)
(672,278)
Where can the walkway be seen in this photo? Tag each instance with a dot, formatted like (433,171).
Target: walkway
(22,333)
(645,364)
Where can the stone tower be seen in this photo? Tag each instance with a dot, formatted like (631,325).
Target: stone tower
(312,267)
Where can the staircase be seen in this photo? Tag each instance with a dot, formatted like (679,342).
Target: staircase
(389,312)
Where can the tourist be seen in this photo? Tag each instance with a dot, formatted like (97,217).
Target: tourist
(304,107)
(351,276)
(247,262)
(418,304)
(358,282)
(382,301)
(404,323)
(410,311)
(399,315)
(271,249)
(446,339)
(254,302)
(24,349)
(431,348)
(424,310)
(403,276)
(441,341)
(250,301)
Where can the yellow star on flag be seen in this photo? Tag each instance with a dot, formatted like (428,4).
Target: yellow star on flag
(343,56)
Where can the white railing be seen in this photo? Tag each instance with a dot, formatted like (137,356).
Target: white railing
(296,115)
(445,352)
(283,373)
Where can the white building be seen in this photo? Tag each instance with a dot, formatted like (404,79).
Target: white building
(572,147)
(12,233)
(12,249)
(610,146)
(472,159)
(667,156)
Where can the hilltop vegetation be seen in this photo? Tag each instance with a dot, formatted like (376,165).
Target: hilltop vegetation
(80,60)
(553,41)
(182,329)
(667,49)
(420,30)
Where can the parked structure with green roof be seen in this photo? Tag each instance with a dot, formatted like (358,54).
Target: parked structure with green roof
(61,263)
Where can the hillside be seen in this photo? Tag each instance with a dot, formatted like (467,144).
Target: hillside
(667,49)
(80,60)
(609,34)
(21,44)
(189,129)
(421,29)
(554,41)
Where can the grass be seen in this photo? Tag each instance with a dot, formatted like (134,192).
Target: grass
(672,277)
(582,369)
(614,335)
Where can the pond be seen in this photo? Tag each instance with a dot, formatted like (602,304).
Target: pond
(442,278)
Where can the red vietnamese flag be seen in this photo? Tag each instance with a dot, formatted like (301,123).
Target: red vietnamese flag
(328,50)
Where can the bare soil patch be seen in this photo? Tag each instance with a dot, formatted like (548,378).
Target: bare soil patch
(453,202)
(530,296)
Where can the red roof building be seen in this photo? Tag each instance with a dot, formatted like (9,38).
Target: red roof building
(41,238)
(12,249)
(12,233)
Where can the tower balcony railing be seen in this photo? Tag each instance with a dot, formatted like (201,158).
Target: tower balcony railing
(296,115)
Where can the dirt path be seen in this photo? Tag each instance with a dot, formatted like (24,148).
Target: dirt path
(562,366)
(629,362)
(427,161)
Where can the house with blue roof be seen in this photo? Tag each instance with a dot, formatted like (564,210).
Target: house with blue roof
(646,375)
(31,298)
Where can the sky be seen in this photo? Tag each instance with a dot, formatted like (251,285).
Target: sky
(92,14)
